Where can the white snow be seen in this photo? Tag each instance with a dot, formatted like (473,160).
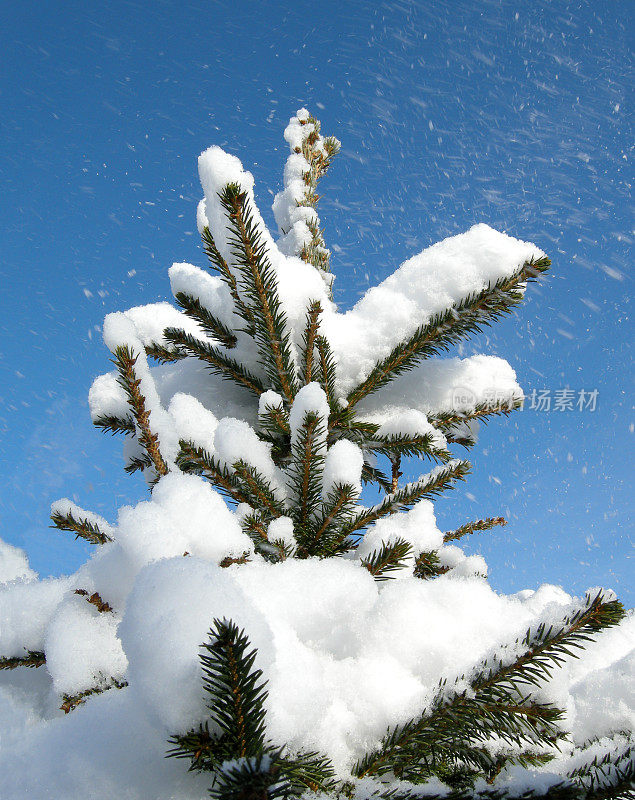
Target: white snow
(343,464)
(192,421)
(178,599)
(82,648)
(269,399)
(452,384)
(26,608)
(184,515)
(426,284)
(107,398)
(345,656)
(311,399)
(281,530)
(14,564)
(150,321)
(210,290)
(235,440)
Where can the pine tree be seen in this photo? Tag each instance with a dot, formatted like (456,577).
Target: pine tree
(303,501)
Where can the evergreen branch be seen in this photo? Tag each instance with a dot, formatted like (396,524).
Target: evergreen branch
(305,470)
(254,778)
(33,658)
(390,557)
(212,326)
(110,423)
(372,474)
(481,411)
(280,449)
(308,341)
(204,751)
(196,460)
(314,252)
(548,646)
(163,354)
(343,422)
(428,486)
(523,758)
(622,787)
(283,549)
(447,328)
(311,770)
(270,775)
(609,776)
(404,445)
(318,158)
(472,527)
(494,706)
(258,490)
(138,463)
(428,565)
(395,473)
(228,561)
(71,701)
(236,698)
(274,421)
(326,538)
(220,265)
(81,527)
(95,600)
(255,527)
(326,369)
(219,363)
(462,439)
(125,361)
(448,732)
(260,286)
(319,153)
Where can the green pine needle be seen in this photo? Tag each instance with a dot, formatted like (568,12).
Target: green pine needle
(212,326)
(306,468)
(403,445)
(236,696)
(390,557)
(473,527)
(196,460)
(80,526)
(216,361)
(125,360)
(219,264)
(110,423)
(232,744)
(426,487)
(257,490)
(428,565)
(162,354)
(258,284)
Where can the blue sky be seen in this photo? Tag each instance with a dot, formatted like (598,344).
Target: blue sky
(515,114)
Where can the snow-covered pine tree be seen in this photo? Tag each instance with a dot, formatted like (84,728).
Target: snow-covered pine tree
(289,640)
